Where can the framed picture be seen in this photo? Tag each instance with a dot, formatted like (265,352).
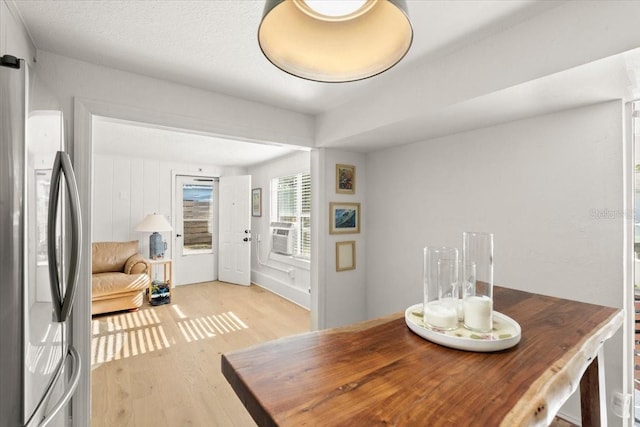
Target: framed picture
(344,218)
(345,179)
(256,202)
(346,255)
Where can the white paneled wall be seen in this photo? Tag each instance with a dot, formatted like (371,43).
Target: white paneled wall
(103,199)
(136,206)
(127,189)
(123,188)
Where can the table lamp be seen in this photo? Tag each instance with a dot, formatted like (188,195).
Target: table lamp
(154,223)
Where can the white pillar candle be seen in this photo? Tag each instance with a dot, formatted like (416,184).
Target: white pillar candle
(440,314)
(478,312)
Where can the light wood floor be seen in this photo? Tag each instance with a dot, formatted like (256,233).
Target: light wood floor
(160,366)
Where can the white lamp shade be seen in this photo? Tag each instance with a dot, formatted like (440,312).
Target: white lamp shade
(154,222)
(315,46)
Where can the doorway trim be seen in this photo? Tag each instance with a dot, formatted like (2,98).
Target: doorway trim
(628,197)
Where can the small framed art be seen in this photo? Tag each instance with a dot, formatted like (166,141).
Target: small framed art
(256,202)
(345,179)
(344,218)
(346,255)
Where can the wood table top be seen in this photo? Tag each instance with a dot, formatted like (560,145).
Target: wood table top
(378,372)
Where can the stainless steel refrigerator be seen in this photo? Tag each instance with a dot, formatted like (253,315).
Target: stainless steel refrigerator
(39,255)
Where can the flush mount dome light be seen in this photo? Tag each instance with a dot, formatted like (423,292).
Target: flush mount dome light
(335,40)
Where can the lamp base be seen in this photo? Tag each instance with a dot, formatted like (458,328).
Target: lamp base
(156,246)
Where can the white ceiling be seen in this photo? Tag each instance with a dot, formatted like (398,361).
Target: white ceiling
(212,45)
(114,137)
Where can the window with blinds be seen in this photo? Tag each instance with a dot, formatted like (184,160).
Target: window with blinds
(291,202)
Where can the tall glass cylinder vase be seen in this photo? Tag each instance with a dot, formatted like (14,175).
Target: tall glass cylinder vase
(440,287)
(466,280)
(477,249)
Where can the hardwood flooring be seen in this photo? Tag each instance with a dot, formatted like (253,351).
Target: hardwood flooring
(160,366)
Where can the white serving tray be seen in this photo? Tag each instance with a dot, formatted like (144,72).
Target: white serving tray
(506,333)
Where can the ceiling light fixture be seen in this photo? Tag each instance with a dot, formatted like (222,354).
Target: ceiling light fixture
(335,40)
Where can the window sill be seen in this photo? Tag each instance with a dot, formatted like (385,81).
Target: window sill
(287,259)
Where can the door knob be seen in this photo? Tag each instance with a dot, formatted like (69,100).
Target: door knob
(246,239)
(247,231)
(178,235)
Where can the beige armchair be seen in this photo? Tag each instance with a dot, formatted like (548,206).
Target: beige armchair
(120,276)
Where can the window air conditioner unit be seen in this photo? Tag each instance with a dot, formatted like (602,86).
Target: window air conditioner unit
(282,235)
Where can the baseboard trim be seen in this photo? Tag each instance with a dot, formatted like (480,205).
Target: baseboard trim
(295,295)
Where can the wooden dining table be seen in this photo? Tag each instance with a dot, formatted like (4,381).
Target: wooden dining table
(379,372)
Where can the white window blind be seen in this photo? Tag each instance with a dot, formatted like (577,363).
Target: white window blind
(291,202)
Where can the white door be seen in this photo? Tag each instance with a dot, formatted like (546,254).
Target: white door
(235,230)
(195,229)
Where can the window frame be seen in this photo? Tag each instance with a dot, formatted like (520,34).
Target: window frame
(302,215)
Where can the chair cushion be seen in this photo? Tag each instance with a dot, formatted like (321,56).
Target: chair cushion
(115,283)
(128,301)
(111,256)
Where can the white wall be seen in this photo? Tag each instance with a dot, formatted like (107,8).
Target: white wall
(341,296)
(295,286)
(171,104)
(537,184)
(14,39)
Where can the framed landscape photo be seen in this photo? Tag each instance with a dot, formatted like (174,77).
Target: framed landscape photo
(346,255)
(344,218)
(345,179)
(256,202)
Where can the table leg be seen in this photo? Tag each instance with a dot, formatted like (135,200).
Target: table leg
(590,396)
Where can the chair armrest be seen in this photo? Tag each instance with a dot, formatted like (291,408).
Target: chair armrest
(137,264)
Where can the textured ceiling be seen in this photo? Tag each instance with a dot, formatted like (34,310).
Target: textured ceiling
(213,44)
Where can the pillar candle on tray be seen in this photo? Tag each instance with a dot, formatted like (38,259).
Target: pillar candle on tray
(441,314)
(478,313)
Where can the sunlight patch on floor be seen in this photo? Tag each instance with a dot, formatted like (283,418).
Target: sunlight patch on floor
(126,335)
(210,326)
(178,311)
(124,321)
(120,345)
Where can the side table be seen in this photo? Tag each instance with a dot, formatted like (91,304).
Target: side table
(167,272)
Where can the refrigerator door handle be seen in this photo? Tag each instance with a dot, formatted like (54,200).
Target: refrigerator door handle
(62,305)
(76,235)
(54,279)
(64,399)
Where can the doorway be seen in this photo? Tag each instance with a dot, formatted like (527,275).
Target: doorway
(235,230)
(84,153)
(195,229)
